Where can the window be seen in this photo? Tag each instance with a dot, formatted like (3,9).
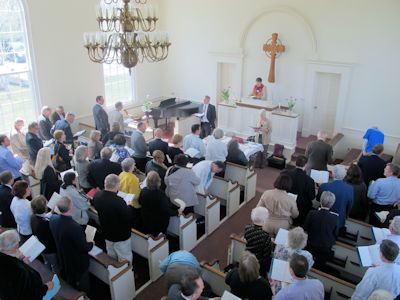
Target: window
(118,84)
(16,92)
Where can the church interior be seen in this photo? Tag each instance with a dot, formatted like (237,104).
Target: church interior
(312,70)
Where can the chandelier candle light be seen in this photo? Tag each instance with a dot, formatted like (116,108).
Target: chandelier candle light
(127,34)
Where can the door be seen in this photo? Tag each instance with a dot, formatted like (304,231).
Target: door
(325,99)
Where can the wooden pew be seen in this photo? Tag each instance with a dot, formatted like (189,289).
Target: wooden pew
(336,139)
(213,275)
(245,176)
(358,233)
(185,228)
(210,209)
(335,288)
(117,275)
(153,249)
(66,292)
(228,192)
(346,259)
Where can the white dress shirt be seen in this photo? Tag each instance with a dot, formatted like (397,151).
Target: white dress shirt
(204,117)
(216,149)
(203,171)
(21,209)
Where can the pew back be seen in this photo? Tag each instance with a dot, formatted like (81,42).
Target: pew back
(245,176)
(185,228)
(210,209)
(213,275)
(228,192)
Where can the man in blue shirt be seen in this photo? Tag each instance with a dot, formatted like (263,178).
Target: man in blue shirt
(372,137)
(194,141)
(385,192)
(182,257)
(9,162)
(65,125)
(301,287)
(343,193)
(385,276)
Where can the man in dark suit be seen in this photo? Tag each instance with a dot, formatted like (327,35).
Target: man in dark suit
(33,142)
(65,125)
(100,168)
(45,124)
(72,247)
(58,114)
(115,219)
(100,116)
(209,117)
(6,217)
(158,143)
(372,165)
(319,153)
(303,186)
(322,227)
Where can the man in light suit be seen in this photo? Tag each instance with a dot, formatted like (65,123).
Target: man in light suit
(138,144)
(100,116)
(209,117)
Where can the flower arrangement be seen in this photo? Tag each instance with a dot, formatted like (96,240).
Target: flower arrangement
(225,94)
(291,103)
(147,106)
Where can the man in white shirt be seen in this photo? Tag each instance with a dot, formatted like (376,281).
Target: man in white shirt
(194,141)
(394,236)
(115,116)
(209,117)
(216,149)
(385,276)
(206,170)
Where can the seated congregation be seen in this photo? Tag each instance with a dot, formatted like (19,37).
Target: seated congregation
(131,189)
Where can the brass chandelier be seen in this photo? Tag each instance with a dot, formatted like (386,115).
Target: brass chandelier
(127,34)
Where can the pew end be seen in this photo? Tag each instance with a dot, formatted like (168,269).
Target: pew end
(185,228)
(210,209)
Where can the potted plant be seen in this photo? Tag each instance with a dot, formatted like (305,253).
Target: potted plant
(291,103)
(146,108)
(225,94)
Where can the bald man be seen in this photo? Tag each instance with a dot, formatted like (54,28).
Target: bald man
(319,153)
(158,143)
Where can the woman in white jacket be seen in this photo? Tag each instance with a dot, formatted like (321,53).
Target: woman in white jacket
(80,202)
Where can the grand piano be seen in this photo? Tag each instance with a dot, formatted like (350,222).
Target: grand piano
(172,108)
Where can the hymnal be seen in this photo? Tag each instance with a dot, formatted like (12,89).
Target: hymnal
(127,197)
(90,232)
(280,271)
(192,152)
(32,248)
(369,255)
(319,176)
(282,237)
(380,234)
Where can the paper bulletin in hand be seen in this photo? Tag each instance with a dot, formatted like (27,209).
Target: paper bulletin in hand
(90,232)
(32,248)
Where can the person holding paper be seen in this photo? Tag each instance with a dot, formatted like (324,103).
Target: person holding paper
(235,155)
(157,143)
(17,279)
(108,138)
(263,137)
(246,282)
(301,288)
(259,90)
(21,209)
(208,118)
(115,219)
(319,153)
(79,202)
(139,146)
(61,159)
(116,116)
(303,186)
(65,125)
(9,162)
(394,236)
(343,194)
(258,241)
(322,227)
(194,141)
(72,247)
(156,207)
(7,219)
(281,206)
(40,224)
(385,276)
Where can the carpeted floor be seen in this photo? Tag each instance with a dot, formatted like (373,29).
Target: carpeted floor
(216,245)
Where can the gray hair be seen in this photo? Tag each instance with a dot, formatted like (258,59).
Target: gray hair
(259,215)
(118,104)
(127,164)
(81,153)
(297,238)
(395,224)
(18,120)
(45,108)
(322,135)
(94,133)
(9,240)
(395,168)
(64,204)
(218,133)
(339,172)
(106,153)
(69,114)
(327,199)
(111,182)
(380,295)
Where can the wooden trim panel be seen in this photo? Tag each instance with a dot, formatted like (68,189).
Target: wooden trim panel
(155,248)
(127,269)
(105,260)
(360,222)
(255,106)
(338,280)
(211,269)
(214,203)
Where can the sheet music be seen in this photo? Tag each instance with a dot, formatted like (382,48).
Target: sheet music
(95,251)
(319,176)
(369,255)
(32,248)
(282,237)
(192,152)
(90,232)
(382,215)
(229,296)
(79,133)
(127,197)
(380,234)
(280,271)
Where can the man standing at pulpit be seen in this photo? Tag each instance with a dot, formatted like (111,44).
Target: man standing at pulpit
(259,90)
(209,117)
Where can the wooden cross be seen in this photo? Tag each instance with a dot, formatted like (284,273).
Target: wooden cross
(272,49)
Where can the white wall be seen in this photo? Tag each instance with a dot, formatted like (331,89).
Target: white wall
(359,32)
(65,74)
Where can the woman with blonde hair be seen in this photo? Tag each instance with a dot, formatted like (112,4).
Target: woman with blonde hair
(45,172)
(95,145)
(157,165)
(246,282)
(175,148)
